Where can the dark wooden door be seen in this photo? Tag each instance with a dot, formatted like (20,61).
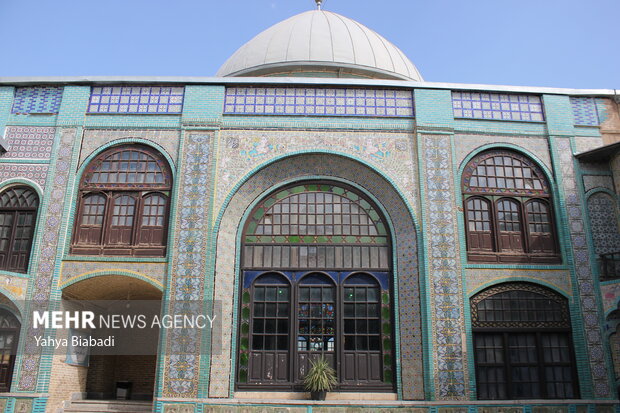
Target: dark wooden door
(362,353)
(270,329)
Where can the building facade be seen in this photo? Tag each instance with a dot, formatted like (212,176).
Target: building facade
(446,247)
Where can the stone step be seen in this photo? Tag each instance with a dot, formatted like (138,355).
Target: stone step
(108,406)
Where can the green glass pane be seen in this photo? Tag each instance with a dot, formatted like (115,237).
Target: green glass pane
(324,188)
(259,213)
(387,360)
(298,189)
(364,204)
(313,187)
(268,203)
(245,313)
(387,375)
(246,297)
(337,190)
(380,240)
(252,227)
(322,239)
(352,196)
(385,298)
(243,376)
(245,328)
(308,239)
(280,239)
(381,229)
(294,239)
(385,313)
(283,194)
(244,344)
(243,359)
(373,215)
(351,238)
(387,343)
(251,238)
(365,240)
(386,328)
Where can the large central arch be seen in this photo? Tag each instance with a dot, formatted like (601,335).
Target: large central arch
(315,283)
(407,354)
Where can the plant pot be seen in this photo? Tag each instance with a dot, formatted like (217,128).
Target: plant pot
(318,395)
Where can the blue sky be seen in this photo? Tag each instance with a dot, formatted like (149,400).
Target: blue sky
(555,43)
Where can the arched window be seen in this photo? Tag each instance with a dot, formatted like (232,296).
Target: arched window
(18,215)
(316,282)
(508,214)
(522,343)
(9,336)
(123,204)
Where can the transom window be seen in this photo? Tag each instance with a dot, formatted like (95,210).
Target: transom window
(9,336)
(522,342)
(508,213)
(123,204)
(18,215)
(315,283)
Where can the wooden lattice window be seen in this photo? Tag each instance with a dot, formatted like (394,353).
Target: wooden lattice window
(508,214)
(123,204)
(18,215)
(522,343)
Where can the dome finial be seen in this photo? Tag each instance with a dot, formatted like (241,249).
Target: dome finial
(318,4)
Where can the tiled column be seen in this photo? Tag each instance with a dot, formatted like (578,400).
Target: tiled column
(582,266)
(187,274)
(443,268)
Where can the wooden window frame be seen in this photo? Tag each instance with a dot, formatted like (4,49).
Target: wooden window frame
(105,244)
(16,210)
(522,197)
(515,328)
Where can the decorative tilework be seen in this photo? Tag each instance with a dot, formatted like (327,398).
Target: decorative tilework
(94,139)
(36,173)
(445,272)
(136,99)
(37,99)
(47,258)
(319,101)
(389,152)
(583,271)
(480,277)
(598,181)
(584,111)
(189,264)
(466,144)
(26,142)
(70,269)
(307,165)
(603,212)
(610,294)
(496,106)
(23,406)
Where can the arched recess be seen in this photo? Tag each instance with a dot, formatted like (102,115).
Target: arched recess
(133,357)
(403,261)
(522,343)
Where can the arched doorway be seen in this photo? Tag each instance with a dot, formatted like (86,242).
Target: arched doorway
(9,337)
(316,281)
(118,372)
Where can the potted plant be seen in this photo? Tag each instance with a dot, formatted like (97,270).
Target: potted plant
(320,379)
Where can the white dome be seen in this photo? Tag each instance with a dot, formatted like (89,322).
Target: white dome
(320,41)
